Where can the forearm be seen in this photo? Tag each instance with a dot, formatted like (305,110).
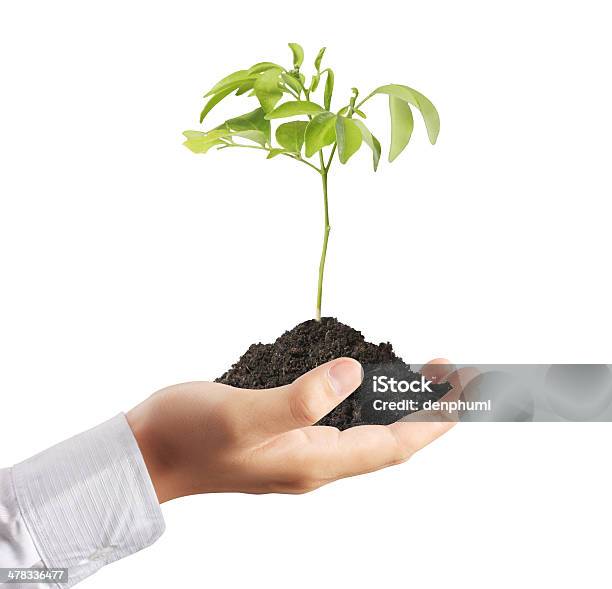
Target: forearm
(81,504)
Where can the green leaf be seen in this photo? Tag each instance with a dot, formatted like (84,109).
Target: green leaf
(243,88)
(348,137)
(321,131)
(232,85)
(216,99)
(214,134)
(239,76)
(361,113)
(263,66)
(294,108)
(291,135)
(318,59)
(298,54)
(291,82)
(314,84)
(371,142)
(255,136)
(428,110)
(274,152)
(402,124)
(251,121)
(200,142)
(267,89)
(329,89)
(189,134)
(197,146)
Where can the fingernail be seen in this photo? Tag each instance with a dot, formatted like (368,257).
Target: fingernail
(345,376)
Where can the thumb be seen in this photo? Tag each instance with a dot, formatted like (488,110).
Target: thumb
(307,399)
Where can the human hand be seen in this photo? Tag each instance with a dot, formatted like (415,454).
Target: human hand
(204,437)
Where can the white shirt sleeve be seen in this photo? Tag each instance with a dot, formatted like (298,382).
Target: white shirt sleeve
(80,505)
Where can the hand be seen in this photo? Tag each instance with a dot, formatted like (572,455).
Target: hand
(203,437)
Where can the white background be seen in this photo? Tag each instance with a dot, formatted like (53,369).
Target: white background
(129,263)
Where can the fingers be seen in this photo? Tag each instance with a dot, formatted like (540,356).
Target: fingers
(439,415)
(306,400)
(414,436)
(441,370)
(365,448)
(368,448)
(437,370)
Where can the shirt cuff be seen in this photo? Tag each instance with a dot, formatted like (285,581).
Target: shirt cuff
(89,501)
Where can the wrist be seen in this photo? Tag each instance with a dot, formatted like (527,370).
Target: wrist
(149,442)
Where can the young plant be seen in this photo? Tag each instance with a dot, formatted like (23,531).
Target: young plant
(317,127)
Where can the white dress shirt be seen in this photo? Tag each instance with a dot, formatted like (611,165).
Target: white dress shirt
(80,505)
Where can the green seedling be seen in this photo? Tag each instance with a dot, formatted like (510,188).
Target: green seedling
(317,133)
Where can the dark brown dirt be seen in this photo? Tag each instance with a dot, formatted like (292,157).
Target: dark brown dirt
(312,343)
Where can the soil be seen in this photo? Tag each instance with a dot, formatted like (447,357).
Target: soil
(312,343)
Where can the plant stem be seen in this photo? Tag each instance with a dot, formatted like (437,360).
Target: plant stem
(329,161)
(327,228)
(297,158)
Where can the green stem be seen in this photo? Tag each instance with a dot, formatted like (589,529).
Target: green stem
(325,236)
(291,92)
(331,157)
(363,101)
(297,158)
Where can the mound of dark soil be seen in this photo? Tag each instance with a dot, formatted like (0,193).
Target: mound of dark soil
(312,343)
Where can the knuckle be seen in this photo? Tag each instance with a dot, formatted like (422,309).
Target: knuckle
(297,486)
(302,408)
(305,477)
(400,453)
(303,485)
(401,457)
